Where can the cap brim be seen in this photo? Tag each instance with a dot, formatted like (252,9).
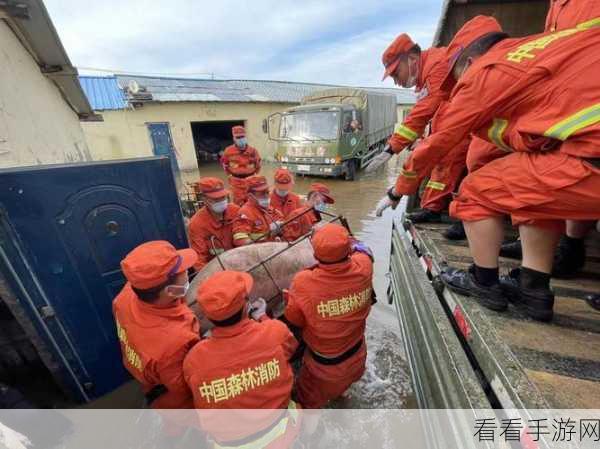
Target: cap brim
(188,259)
(328,199)
(390,69)
(248,281)
(217,195)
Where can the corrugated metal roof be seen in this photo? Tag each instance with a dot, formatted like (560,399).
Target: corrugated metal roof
(108,92)
(103,92)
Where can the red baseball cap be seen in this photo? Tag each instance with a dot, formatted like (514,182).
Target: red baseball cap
(257,183)
(391,56)
(283,179)
(152,263)
(212,188)
(472,31)
(238,131)
(224,294)
(331,243)
(317,187)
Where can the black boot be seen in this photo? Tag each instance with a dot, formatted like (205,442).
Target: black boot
(569,257)
(425,216)
(464,283)
(593,301)
(536,300)
(511,285)
(512,250)
(456,232)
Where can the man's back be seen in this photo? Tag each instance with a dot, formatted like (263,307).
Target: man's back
(333,302)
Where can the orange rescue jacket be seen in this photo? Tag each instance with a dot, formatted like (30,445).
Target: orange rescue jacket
(241,163)
(154,341)
(252,222)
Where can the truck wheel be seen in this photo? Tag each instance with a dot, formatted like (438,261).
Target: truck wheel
(351,169)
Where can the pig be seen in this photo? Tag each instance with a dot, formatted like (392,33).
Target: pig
(282,267)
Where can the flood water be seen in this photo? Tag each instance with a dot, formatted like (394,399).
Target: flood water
(386,383)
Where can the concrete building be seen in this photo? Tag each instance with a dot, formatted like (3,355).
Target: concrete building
(192,118)
(41,101)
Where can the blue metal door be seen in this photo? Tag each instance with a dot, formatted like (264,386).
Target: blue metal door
(162,144)
(63,232)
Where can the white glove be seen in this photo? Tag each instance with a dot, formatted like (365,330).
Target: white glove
(378,161)
(384,203)
(275,227)
(258,308)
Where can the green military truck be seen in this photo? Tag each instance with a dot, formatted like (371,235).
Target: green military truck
(334,132)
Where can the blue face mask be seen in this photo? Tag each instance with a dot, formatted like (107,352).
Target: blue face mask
(321,207)
(241,142)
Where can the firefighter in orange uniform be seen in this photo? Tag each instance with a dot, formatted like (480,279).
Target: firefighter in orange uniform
(155,327)
(570,255)
(425,70)
(537,98)
(330,303)
(211,228)
(256,221)
(240,161)
(317,199)
(564,14)
(244,364)
(282,197)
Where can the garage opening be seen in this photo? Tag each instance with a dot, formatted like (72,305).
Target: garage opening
(211,138)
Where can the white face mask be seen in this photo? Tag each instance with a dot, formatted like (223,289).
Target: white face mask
(321,207)
(281,193)
(178,291)
(263,202)
(241,143)
(219,207)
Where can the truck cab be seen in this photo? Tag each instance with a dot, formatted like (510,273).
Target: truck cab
(320,140)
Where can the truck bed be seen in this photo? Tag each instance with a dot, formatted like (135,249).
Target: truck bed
(521,363)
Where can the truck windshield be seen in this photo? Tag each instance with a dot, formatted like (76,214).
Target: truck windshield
(322,125)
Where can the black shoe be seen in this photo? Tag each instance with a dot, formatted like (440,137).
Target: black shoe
(511,285)
(464,282)
(425,216)
(456,232)
(569,258)
(593,301)
(512,250)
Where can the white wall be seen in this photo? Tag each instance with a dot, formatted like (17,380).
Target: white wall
(37,126)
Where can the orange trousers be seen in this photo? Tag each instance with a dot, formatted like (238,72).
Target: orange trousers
(239,190)
(318,384)
(482,152)
(541,189)
(444,179)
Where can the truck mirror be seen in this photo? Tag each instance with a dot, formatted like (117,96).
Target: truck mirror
(273,123)
(265,126)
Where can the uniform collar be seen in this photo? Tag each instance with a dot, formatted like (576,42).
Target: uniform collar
(336,267)
(231,331)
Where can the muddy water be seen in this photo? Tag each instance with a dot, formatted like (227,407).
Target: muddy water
(386,383)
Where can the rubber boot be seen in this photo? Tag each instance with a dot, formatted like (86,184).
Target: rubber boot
(569,258)
(512,250)
(425,216)
(537,303)
(464,283)
(456,232)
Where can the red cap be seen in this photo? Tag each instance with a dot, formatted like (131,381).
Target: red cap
(152,263)
(473,30)
(323,190)
(238,131)
(391,56)
(212,188)
(283,179)
(224,294)
(331,243)
(257,183)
